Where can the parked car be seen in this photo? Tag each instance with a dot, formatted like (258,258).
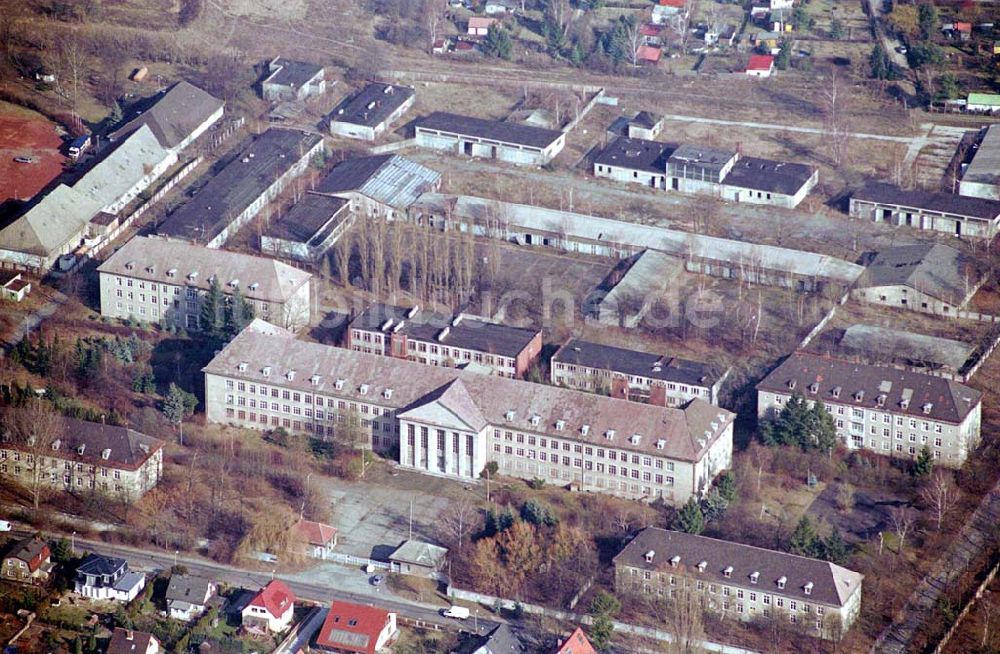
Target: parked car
(901,49)
(377,580)
(457,612)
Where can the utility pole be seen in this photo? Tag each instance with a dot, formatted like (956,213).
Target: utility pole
(411,519)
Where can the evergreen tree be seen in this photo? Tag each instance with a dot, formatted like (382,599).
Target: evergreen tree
(239,312)
(927,17)
(538,514)
(178,405)
(835,550)
(784,58)
(924,464)
(836,29)
(881,64)
(498,43)
(92,644)
(211,311)
(714,505)
(808,427)
(576,55)
(603,608)
(804,540)
(726,485)
(689,519)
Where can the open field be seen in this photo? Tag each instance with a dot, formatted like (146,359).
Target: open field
(24,133)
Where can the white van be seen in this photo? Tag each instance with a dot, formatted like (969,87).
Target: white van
(457,612)
(5,525)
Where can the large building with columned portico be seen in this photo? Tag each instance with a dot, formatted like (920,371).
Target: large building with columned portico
(451,423)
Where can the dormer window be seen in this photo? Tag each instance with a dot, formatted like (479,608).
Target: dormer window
(266,371)
(649,556)
(585,429)
(904,404)
(535,420)
(83,448)
(314,380)
(702,565)
(105,454)
(782,581)
(363,389)
(635,439)
(728,572)
(791,384)
(130,265)
(560,425)
(880,400)
(814,388)
(254,286)
(242,367)
(193,276)
(56,443)
(150,269)
(387,393)
(339,384)
(754,576)
(836,391)
(290,375)
(610,434)
(675,561)
(235,283)
(859,396)
(660,444)
(509,416)
(928,407)
(808,588)
(172,272)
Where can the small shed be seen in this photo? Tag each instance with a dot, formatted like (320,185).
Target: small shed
(414,557)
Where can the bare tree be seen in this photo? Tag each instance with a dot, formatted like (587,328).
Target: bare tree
(433,14)
(36,429)
(456,521)
(940,495)
(902,519)
(686,619)
(834,99)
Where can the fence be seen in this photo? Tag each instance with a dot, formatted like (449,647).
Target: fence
(357,561)
(286,646)
(822,323)
(583,112)
(567,616)
(393,147)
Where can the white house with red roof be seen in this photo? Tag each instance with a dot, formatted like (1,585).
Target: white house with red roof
(575,643)
(270,610)
(760,65)
(320,538)
(356,629)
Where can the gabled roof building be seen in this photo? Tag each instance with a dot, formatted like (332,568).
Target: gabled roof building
(449,422)
(309,229)
(130,641)
(164,281)
(27,561)
(176,117)
(880,409)
(371,111)
(380,185)
(187,596)
(740,582)
(490,139)
(288,79)
(356,629)
(107,578)
(271,609)
(931,210)
(981,178)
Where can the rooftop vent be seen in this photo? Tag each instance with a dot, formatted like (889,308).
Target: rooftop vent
(443,334)
(386,325)
(413,311)
(457,319)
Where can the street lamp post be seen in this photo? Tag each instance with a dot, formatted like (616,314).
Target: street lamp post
(475,620)
(175,557)
(72,544)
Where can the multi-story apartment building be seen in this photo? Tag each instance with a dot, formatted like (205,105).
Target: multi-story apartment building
(87,456)
(884,410)
(445,340)
(639,376)
(164,281)
(450,423)
(740,582)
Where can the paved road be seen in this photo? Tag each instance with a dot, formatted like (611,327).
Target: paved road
(31,321)
(975,535)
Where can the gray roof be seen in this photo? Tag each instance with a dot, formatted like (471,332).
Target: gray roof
(119,171)
(420,553)
(892,346)
(57,219)
(129,641)
(869,386)
(371,105)
(985,165)
(236,186)
(175,114)
(27,549)
(494,130)
(153,259)
(702,156)
(636,154)
(685,433)
(650,272)
(309,219)
(291,73)
(470,332)
(100,565)
(768,175)
(633,362)
(126,448)
(947,203)
(187,588)
(832,584)
(646,119)
(935,269)
(387,178)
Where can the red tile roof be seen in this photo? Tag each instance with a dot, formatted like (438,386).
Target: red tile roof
(129,641)
(577,643)
(963,27)
(315,533)
(648,29)
(760,62)
(649,53)
(672,3)
(352,628)
(275,597)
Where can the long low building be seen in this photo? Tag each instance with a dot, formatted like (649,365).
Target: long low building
(162,281)
(660,379)
(690,168)
(573,232)
(936,211)
(489,139)
(740,582)
(880,409)
(981,178)
(367,114)
(243,187)
(307,230)
(451,423)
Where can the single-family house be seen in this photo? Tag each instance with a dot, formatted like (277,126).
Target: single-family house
(130,641)
(187,596)
(270,610)
(649,33)
(414,557)
(102,577)
(15,287)
(480,25)
(28,561)
(648,54)
(356,629)
(760,65)
(768,41)
(575,643)
(319,538)
(665,10)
